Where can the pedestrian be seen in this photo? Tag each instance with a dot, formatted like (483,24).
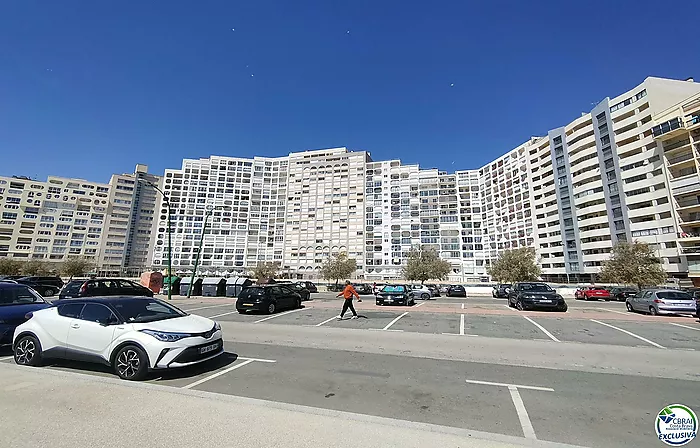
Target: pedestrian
(347,293)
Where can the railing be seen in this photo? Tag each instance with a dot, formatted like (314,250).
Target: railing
(677,145)
(668,126)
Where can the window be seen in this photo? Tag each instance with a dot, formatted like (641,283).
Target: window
(95,312)
(18,294)
(70,310)
(619,225)
(612,187)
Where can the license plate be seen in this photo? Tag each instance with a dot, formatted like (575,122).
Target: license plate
(247,304)
(209,348)
(545,301)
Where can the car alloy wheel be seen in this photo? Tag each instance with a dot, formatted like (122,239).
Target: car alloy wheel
(28,351)
(653,311)
(629,307)
(519,305)
(128,363)
(425,296)
(271,308)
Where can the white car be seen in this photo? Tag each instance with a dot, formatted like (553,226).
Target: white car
(132,334)
(421,292)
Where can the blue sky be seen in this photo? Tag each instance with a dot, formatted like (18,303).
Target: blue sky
(92,88)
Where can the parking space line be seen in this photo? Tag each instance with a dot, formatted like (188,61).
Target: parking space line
(613,311)
(222,314)
(278,315)
(629,333)
(461,324)
(326,321)
(462,305)
(257,359)
(210,306)
(394,321)
(420,304)
(519,386)
(528,430)
(544,330)
(672,323)
(7,358)
(218,374)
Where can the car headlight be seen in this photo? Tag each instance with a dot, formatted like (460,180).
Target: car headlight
(217,327)
(166,336)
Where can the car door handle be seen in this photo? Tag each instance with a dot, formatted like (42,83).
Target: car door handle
(75,325)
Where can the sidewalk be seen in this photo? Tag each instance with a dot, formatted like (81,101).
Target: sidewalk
(42,407)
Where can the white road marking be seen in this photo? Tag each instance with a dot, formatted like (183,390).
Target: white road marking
(18,386)
(217,374)
(278,315)
(613,311)
(7,358)
(544,330)
(519,386)
(210,306)
(394,321)
(677,325)
(420,304)
(525,422)
(461,324)
(222,314)
(462,305)
(326,321)
(257,359)
(629,333)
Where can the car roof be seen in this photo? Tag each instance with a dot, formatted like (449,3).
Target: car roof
(107,300)
(7,284)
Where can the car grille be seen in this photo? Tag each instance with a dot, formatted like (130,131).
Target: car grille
(192,354)
(206,334)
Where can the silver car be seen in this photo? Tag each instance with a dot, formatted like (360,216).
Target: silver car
(662,301)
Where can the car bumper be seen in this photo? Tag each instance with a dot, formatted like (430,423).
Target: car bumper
(252,306)
(676,310)
(456,294)
(169,355)
(6,333)
(530,304)
(391,301)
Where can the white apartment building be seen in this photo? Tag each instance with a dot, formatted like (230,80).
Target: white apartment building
(130,228)
(52,220)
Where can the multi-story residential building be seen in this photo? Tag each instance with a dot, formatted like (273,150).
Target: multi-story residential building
(52,220)
(130,226)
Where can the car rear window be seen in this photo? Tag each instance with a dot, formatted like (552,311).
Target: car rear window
(392,288)
(253,292)
(72,287)
(674,295)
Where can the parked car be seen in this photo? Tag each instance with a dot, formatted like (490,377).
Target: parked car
(131,334)
(45,290)
(421,292)
(101,287)
(267,298)
(622,293)
(500,291)
(662,301)
(16,300)
(531,295)
(301,290)
(50,281)
(444,288)
(592,293)
(395,294)
(456,291)
(336,287)
(434,290)
(311,286)
(363,288)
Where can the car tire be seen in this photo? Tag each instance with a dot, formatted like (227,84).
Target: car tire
(519,305)
(564,308)
(494,295)
(511,304)
(653,311)
(27,351)
(271,308)
(131,363)
(425,296)
(241,311)
(629,307)
(298,303)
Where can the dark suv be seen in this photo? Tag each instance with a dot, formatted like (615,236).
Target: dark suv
(50,281)
(99,287)
(531,295)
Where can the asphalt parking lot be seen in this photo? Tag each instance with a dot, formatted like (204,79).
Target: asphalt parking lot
(387,364)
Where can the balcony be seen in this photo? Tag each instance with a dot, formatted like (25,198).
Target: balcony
(668,130)
(685,184)
(693,268)
(676,146)
(677,161)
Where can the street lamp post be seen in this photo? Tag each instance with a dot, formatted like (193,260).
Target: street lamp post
(209,212)
(170,245)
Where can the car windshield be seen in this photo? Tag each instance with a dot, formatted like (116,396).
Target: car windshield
(674,295)
(18,295)
(393,288)
(536,287)
(146,310)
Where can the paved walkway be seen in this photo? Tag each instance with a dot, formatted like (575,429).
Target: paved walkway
(41,408)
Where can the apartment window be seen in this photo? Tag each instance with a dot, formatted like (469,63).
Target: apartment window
(617,212)
(561,170)
(566,211)
(562,180)
(560,160)
(621,237)
(609,164)
(612,187)
(615,199)
(573,267)
(568,222)
(605,140)
(611,175)
(557,140)
(619,225)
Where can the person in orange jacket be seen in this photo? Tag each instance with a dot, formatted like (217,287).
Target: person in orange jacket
(347,293)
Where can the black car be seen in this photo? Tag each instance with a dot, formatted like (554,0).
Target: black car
(396,295)
(456,291)
(49,281)
(531,295)
(500,291)
(336,287)
(45,290)
(621,294)
(301,289)
(309,285)
(434,290)
(362,288)
(16,300)
(100,287)
(267,298)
